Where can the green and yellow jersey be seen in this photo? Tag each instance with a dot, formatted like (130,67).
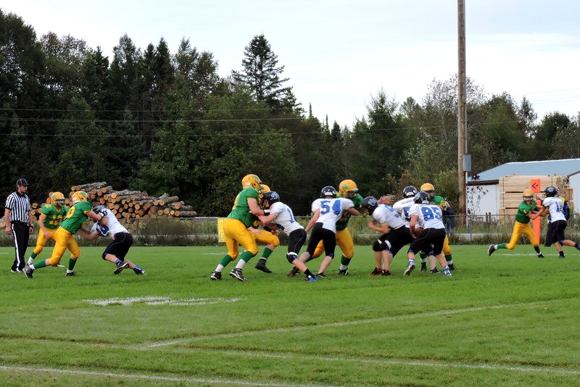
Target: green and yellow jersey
(523,210)
(342,223)
(241,209)
(76,216)
(54,216)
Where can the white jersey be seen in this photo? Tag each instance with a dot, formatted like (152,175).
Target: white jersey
(113,224)
(331,211)
(403,206)
(555,205)
(384,214)
(429,215)
(285,219)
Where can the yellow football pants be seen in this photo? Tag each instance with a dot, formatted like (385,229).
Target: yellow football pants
(266,238)
(446,247)
(343,240)
(519,229)
(236,234)
(63,240)
(41,240)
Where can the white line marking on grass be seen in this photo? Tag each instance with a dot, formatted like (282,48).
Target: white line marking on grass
(327,325)
(154,300)
(493,367)
(174,379)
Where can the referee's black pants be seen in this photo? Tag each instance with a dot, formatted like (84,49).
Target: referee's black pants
(20,233)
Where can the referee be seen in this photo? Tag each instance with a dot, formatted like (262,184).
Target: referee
(19,222)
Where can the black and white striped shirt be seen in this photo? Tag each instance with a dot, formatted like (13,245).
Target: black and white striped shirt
(19,207)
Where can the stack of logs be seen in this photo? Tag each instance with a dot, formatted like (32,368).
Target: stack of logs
(130,205)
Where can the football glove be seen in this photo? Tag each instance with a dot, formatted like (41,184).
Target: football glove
(102,230)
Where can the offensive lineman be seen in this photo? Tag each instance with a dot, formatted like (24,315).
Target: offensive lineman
(429,217)
(394,230)
(283,217)
(119,246)
(554,205)
(327,211)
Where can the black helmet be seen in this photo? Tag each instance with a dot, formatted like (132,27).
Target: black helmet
(22,182)
(421,198)
(271,196)
(409,191)
(100,210)
(551,191)
(370,204)
(328,191)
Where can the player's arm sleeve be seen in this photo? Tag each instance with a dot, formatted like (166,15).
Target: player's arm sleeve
(45,209)
(346,204)
(276,209)
(315,206)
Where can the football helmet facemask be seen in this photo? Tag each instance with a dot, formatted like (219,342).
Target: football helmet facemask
(409,191)
(251,181)
(80,196)
(57,198)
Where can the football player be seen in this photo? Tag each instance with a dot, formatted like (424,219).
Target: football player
(527,211)
(119,246)
(326,212)
(236,228)
(554,205)
(283,218)
(349,190)
(264,236)
(441,202)
(429,216)
(63,237)
(52,214)
(394,234)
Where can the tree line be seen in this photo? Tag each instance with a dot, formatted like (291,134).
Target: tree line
(158,121)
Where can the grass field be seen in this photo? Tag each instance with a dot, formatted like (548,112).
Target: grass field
(510,319)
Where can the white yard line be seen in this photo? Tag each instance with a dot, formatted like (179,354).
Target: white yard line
(174,379)
(327,325)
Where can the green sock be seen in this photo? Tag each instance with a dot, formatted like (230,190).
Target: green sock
(226,260)
(502,246)
(40,264)
(246,256)
(344,260)
(449,258)
(72,263)
(267,252)
(423,256)
(32,255)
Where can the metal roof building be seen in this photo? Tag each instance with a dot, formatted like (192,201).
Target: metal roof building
(483,191)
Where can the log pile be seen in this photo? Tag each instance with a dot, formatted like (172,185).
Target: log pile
(130,205)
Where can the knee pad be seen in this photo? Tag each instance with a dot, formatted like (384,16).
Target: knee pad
(378,245)
(291,257)
(254,251)
(54,261)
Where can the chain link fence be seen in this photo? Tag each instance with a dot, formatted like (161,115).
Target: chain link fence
(202,231)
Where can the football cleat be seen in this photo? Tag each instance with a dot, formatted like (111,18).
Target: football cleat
(27,272)
(120,267)
(540,255)
(447,273)
(311,279)
(376,272)
(215,276)
(261,265)
(491,249)
(320,275)
(386,273)
(451,266)
(423,266)
(435,271)
(409,269)
(342,272)
(237,274)
(293,272)
(562,256)
(30,261)
(70,274)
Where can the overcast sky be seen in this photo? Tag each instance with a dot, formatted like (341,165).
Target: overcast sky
(339,53)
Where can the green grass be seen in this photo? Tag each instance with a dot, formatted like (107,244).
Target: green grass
(510,319)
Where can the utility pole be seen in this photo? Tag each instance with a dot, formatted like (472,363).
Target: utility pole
(461,111)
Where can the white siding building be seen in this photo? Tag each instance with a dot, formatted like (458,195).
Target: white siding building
(483,196)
